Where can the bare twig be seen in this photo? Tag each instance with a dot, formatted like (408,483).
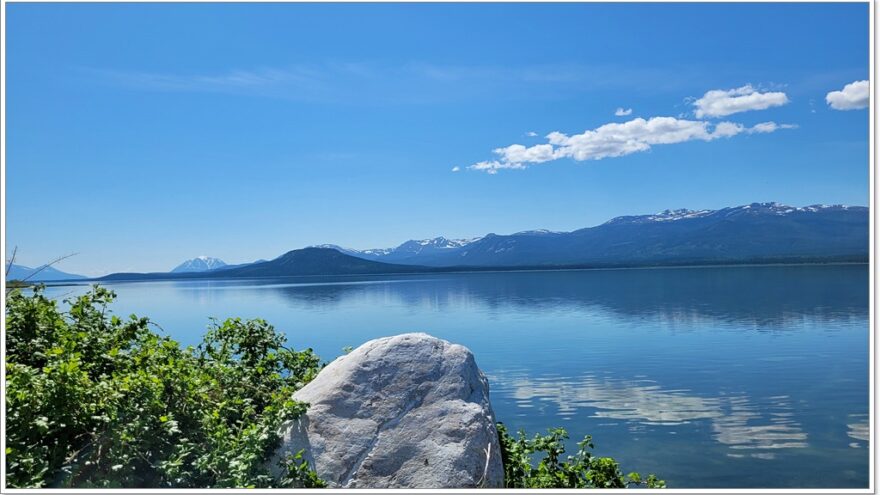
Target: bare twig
(47,265)
(60,297)
(157,326)
(11,261)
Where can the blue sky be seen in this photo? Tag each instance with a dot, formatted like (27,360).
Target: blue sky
(142,135)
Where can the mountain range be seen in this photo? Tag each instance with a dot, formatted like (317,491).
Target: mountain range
(299,262)
(754,233)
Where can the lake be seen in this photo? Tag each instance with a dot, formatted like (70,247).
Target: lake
(710,377)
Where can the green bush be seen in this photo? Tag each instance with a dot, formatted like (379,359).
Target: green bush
(582,470)
(93,400)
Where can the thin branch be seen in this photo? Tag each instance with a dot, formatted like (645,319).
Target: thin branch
(63,295)
(47,265)
(11,261)
(157,326)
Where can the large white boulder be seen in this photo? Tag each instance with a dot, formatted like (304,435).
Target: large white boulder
(409,411)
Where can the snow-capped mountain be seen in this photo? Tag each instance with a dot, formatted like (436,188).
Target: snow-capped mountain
(747,232)
(753,233)
(199,264)
(772,208)
(425,246)
(408,250)
(663,216)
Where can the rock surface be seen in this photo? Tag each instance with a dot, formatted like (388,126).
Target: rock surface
(409,411)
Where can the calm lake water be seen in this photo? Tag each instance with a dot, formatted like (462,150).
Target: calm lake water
(709,377)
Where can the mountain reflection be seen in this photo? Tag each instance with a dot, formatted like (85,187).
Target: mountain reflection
(746,428)
(731,294)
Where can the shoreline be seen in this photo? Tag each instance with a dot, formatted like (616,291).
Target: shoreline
(453,271)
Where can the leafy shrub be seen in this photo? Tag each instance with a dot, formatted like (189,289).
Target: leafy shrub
(93,400)
(582,470)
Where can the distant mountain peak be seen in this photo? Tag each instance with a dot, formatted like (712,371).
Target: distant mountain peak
(407,249)
(682,213)
(710,231)
(772,208)
(768,232)
(440,242)
(782,209)
(354,252)
(330,246)
(199,264)
(663,216)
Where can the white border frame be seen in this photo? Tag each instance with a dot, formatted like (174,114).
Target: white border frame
(872,470)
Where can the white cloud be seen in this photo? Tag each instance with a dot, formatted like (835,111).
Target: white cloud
(727,129)
(617,139)
(767,127)
(620,112)
(853,96)
(456,168)
(493,166)
(531,134)
(517,153)
(612,140)
(719,102)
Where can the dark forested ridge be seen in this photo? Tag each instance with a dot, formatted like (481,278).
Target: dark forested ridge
(757,233)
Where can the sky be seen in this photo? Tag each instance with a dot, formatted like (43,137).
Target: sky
(141,135)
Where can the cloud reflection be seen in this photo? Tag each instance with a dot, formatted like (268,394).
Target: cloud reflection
(859,429)
(746,428)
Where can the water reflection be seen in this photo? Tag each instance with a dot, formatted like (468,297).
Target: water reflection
(681,297)
(746,428)
(859,429)
(699,374)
